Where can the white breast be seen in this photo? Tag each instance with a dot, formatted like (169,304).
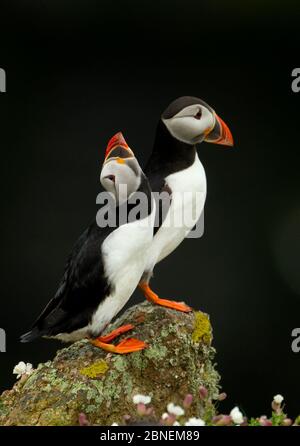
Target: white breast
(125,253)
(188,198)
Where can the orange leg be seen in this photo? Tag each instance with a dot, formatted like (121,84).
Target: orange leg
(152,297)
(126,346)
(115,333)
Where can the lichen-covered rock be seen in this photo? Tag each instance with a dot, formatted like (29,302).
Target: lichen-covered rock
(83,378)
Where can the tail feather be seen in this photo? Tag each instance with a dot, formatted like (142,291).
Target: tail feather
(31,335)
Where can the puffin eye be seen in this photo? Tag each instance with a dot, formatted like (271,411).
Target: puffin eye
(198,114)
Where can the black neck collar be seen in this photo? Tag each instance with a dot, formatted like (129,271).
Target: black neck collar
(169,155)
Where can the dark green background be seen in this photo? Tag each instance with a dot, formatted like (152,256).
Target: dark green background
(77,72)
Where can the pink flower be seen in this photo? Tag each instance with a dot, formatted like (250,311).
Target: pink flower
(222,420)
(187,402)
(82,420)
(141,409)
(222,396)
(263,421)
(203,392)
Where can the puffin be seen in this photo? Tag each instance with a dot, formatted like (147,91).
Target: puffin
(175,169)
(106,263)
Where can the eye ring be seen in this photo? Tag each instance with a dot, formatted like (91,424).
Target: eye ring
(198,115)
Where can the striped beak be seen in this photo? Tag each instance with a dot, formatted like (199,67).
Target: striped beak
(118,149)
(220,133)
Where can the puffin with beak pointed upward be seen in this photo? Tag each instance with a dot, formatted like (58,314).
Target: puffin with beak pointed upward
(174,168)
(105,265)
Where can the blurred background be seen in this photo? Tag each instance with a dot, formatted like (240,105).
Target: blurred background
(77,72)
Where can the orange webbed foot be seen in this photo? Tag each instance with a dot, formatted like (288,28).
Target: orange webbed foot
(174,305)
(130,345)
(126,346)
(153,297)
(115,333)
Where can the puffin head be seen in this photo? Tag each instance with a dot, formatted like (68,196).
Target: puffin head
(121,172)
(191,120)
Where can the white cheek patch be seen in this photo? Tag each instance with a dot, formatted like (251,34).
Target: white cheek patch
(185,127)
(121,171)
(126,181)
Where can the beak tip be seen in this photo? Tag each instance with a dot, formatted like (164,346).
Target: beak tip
(229,141)
(223,136)
(119,136)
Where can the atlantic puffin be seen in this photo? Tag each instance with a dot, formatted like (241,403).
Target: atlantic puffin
(174,168)
(105,265)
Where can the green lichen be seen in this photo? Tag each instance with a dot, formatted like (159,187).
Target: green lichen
(60,383)
(169,329)
(96,369)
(79,387)
(120,363)
(202,328)
(3,409)
(138,361)
(124,378)
(156,352)
(90,409)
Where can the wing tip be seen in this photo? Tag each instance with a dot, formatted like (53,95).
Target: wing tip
(30,335)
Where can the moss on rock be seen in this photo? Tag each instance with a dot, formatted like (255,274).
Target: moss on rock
(84,378)
(202,328)
(96,369)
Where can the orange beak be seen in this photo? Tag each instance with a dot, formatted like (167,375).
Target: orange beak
(117,147)
(220,133)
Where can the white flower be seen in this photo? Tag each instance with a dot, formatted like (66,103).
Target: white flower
(165,416)
(144,399)
(176,423)
(237,416)
(22,369)
(194,422)
(115,424)
(175,410)
(278,399)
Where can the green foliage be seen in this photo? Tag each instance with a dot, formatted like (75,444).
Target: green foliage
(277,418)
(253,422)
(297,421)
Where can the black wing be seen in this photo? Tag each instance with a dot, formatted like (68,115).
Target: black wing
(163,202)
(80,291)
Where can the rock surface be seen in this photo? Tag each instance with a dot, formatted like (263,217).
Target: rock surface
(84,379)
